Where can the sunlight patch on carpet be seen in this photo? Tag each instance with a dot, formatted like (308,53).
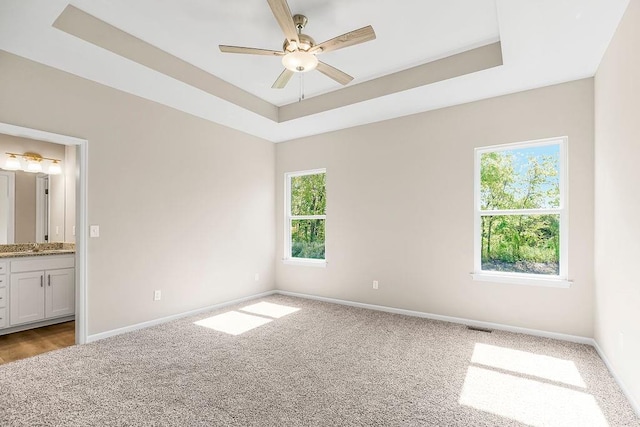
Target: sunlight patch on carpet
(532,402)
(523,362)
(270,309)
(233,322)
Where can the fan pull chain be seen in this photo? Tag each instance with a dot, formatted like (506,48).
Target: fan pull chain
(301,94)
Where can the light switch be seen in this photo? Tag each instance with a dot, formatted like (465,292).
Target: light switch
(94,231)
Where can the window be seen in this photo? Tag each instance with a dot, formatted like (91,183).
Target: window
(305,216)
(521,216)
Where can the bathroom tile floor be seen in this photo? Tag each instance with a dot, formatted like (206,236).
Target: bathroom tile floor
(20,345)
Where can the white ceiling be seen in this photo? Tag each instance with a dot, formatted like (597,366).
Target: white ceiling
(543,41)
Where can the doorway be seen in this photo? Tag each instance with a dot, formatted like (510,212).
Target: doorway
(81,154)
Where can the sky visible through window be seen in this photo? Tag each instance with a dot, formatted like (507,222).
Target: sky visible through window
(534,189)
(521,166)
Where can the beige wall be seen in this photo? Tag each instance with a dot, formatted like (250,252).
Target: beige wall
(400,210)
(184,205)
(617,214)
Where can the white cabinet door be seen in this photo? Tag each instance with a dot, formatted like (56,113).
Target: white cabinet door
(60,292)
(27,297)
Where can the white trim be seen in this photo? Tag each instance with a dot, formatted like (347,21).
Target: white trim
(459,320)
(82,163)
(522,144)
(506,212)
(306,217)
(42,208)
(308,262)
(307,172)
(39,135)
(560,281)
(450,319)
(522,279)
(11,195)
(287,221)
(82,244)
(143,325)
(634,404)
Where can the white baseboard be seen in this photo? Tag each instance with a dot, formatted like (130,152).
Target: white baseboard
(460,320)
(113,332)
(634,404)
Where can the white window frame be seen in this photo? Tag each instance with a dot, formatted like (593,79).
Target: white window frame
(288,218)
(558,281)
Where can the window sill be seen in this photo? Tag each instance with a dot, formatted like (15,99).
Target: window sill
(529,280)
(305,262)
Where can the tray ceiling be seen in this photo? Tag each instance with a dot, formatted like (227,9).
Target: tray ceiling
(541,43)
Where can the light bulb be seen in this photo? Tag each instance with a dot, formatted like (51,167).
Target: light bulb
(54,168)
(33,166)
(12,163)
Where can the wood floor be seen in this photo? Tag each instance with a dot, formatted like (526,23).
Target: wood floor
(20,345)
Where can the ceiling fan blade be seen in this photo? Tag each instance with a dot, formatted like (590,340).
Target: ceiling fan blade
(361,35)
(282,13)
(249,50)
(337,75)
(282,79)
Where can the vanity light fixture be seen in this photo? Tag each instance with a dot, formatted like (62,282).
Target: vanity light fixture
(33,163)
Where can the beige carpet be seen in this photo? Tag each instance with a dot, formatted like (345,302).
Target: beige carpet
(283,361)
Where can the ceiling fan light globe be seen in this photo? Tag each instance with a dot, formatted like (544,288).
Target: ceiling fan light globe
(300,62)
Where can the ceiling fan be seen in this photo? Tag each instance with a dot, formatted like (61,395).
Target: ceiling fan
(299,51)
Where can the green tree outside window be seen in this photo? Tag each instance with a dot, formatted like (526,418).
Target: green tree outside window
(519,210)
(307,215)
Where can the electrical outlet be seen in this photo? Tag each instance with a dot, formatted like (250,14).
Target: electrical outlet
(375,284)
(94,231)
(257,277)
(157,295)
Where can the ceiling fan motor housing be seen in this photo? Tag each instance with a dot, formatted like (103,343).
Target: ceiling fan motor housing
(306,43)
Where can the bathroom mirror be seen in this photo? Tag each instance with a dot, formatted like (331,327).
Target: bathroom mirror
(33,205)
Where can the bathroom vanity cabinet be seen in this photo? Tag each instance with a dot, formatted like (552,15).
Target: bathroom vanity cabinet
(4,321)
(36,290)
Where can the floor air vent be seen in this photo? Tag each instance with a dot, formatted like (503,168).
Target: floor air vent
(475,328)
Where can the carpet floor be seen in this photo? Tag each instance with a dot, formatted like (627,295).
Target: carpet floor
(283,361)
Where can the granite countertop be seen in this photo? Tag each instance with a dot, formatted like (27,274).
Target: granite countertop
(41,249)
